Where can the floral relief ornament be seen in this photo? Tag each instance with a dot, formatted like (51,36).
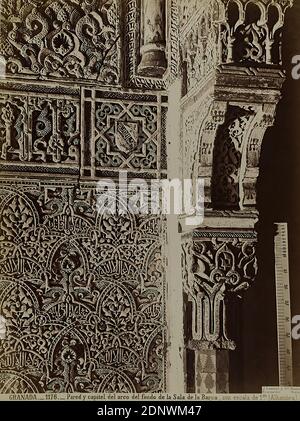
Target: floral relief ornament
(63,39)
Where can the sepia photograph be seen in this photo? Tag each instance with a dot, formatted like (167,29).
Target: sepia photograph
(149,205)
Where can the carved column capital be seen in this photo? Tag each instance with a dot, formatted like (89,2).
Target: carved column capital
(153,49)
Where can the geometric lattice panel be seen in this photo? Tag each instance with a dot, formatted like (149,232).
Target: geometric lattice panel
(81,131)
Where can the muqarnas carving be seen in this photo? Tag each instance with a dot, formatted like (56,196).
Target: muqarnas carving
(126,137)
(127,132)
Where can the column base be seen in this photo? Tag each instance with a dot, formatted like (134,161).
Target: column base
(153,63)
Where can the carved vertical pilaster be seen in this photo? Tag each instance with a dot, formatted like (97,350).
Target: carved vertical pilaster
(153,49)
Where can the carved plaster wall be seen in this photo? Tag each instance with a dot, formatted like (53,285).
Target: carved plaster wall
(83,293)
(85,95)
